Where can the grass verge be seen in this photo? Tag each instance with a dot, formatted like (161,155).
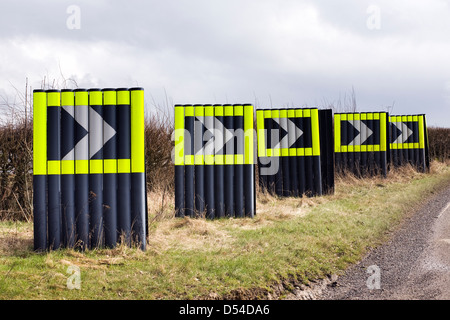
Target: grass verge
(290,241)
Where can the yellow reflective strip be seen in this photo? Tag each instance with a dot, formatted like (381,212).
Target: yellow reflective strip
(300,152)
(189,111)
(110,165)
(376,148)
(39,133)
(363,116)
(292,152)
(123,165)
(370,116)
(209,159)
(53,167)
(315,132)
(248,134)
(109,98)
(96,166)
(275,153)
(229,159)
(421,132)
(376,116)
(383,132)
(137,131)
(81,98)
(238,110)
(228,110)
(284,152)
(199,159)
(351,148)
(67,98)
(283,113)
(218,110)
(350,117)
(95,98)
(219,159)
(261,135)
(179,135)
(337,133)
(81,166)
(291,113)
(275,113)
(189,160)
(53,99)
(357,148)
(123,97)
(306,113)
(298,113)
(238,159)
(356,116)
(199,111)
(344,148)
(209,111)
(308,152)
(67,167)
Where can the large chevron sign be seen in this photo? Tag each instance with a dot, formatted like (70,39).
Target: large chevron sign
(88,168)
(409,141)
(361,142)
(290,161)
(288,132)
(214,160)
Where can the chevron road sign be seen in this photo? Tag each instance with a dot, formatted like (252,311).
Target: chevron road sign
(289,151)
(88,168)
(409,141)
(214,166)
(361,142)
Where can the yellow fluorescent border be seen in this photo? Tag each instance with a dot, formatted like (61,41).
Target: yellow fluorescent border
(179,135)
(110,165)
(411,145)
(123,165)
(263,114)
(248,134)
(137,131)
(261,133)
(337,133)
(39,133)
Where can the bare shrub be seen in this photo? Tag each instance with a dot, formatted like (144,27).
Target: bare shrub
(439,143)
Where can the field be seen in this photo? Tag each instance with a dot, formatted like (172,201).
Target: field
(289,243)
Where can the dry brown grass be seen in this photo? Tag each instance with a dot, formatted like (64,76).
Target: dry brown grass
(15,239)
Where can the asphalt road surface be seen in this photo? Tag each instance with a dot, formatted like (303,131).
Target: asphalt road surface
(414,264)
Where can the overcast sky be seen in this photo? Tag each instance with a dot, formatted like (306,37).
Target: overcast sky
(391,54)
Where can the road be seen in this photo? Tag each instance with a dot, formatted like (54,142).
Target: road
(414,264)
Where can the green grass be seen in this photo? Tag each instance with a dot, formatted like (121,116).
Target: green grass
(290,240)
